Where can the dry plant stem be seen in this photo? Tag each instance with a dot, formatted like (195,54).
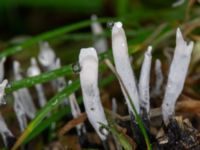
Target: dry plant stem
(189,105)
(71,124)
(153,36)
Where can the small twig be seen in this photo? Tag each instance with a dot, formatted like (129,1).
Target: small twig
(72,123)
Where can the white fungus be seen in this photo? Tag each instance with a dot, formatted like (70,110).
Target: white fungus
(46,56)
(89,84)
(4,131)
(159,79)
(76,112)
(177,74)
(2,91)
(123,66)
(178,3)
(2,61)
(24,95)
(100,42)
(144,81)
(59,84)
(34,70)
(19,111)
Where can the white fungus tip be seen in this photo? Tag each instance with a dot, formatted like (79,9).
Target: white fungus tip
(149,50)
(87,52)
(117,28)
(16,67)
(158,63)
(70,82)
(118,24)
(94,17)
(179,35)
(33,61)
(191,45)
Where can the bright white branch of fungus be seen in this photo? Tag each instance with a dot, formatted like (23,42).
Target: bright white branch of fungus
(123,66)
(2,61)
(46,56)
(24,95)
(100,42)
(177,74)
(144,81)
(19,111)
(2,91)
(76,112)
(114,105)
(89,84)
(34,70)
(159,79)
(4,131)
(60,82)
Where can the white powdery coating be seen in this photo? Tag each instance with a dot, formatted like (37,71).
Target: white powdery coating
(177,74)
(159,79)
(34,70)
(100,43)
(2,61)
(144,81)
(4,131)
(19,111)
(46,56)
(24,95)
(2,91)
(89,84)
(123,66)
(76,111)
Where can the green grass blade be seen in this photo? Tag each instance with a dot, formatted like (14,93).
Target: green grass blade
(47,36)
(47,76)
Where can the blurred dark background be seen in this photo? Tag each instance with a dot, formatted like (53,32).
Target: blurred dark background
(30,17)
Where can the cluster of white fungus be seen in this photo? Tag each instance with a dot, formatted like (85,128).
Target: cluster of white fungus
(23,94)
(88,60)
(141,96)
